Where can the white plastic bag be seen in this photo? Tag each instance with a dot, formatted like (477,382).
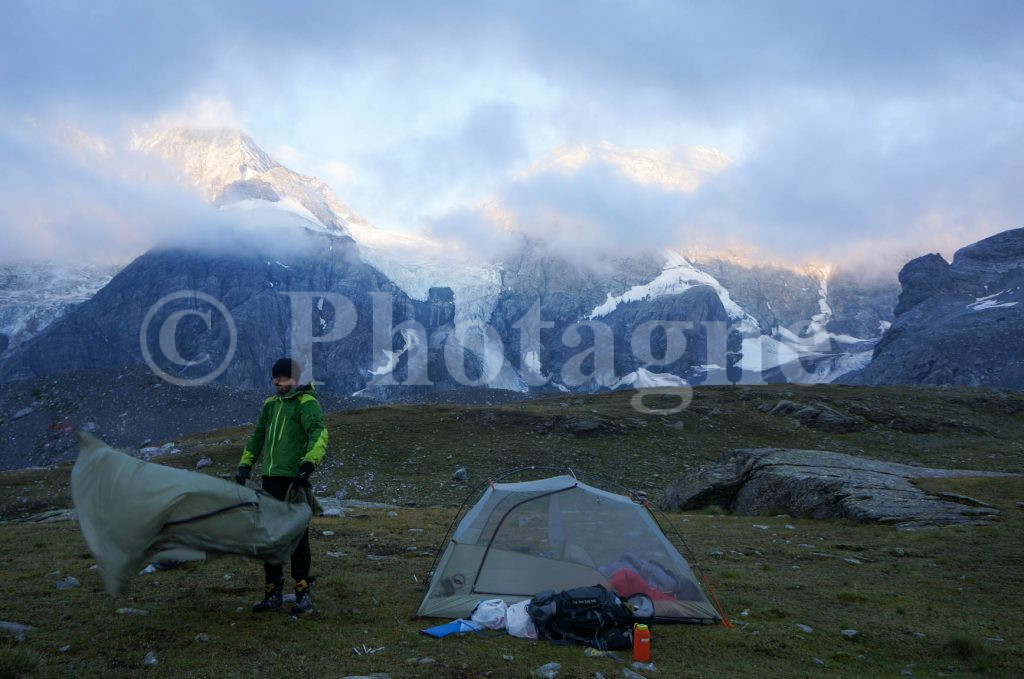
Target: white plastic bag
(490,614)
(519,622)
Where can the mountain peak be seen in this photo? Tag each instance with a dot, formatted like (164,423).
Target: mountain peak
(212,158)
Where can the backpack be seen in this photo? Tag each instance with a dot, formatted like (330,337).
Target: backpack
(585,615)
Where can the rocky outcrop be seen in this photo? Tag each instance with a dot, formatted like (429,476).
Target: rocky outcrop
(821,484)
(959,323)
(816,416)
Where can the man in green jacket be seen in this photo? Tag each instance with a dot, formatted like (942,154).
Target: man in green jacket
(291,437)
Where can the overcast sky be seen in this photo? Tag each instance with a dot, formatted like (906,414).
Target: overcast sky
(841,129)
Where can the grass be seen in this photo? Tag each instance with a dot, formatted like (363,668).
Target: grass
(936,601)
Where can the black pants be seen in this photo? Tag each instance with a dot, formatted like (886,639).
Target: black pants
(278,487)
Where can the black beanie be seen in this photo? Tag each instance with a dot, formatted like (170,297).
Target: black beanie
(286,367)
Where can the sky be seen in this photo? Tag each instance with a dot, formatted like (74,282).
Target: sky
(788,131)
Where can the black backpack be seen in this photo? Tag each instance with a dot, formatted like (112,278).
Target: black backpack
(585,615)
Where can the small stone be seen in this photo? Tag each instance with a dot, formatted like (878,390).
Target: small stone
(745,612)
(508,658)
(69,582)
(789,526)
(65,648)
(204,462)
(460,475)
(150,659)
(918,635)
(239,610)
(849,633)
(996,640)
(335,555)
(855,562)
(649,666)
(817,661)
(761,526)
(327,533)
(630,674)
(131,611)
(392,514)
(906,673)
(549,671)
(425,661)
(806,629)
(202,637)
(804,545)
(16,628)
(89,426)
(334,511)
(21,413)
(227,576)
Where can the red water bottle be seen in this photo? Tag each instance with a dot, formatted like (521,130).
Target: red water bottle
(641,643)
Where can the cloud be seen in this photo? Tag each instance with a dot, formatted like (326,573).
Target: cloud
(849,125)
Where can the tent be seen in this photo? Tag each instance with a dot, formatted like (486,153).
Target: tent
(556,533)
(132,513)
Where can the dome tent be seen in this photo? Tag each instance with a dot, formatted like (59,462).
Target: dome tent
(557,533)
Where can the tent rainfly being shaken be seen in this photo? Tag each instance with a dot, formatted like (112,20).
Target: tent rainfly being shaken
(132,513)
(557,533)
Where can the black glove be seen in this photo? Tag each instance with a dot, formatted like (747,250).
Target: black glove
(305,469)
(242,474)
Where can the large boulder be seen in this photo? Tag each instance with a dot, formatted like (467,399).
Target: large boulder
(821,484)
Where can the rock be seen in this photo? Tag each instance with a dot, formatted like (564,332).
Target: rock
(89,427)
(548,671)
(821,484)
(508,658)
(964,499)
(69,582)
(460,475)
(819,416)
(65,648)
(327,533)
(855,562)
(806,629)
(150,658)
(22,413)
(15,629)
(202,637)
(630,674)
(849,633)
(647,666)
(426,661)
(204,462)
(131,611)
(817,661)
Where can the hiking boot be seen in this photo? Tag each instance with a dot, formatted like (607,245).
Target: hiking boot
(271,598)
(303,598)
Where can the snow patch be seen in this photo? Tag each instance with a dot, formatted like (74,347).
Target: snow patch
(678,276)
(989,302)
(641,378)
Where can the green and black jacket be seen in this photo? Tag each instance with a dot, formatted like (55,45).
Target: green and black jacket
(290,431)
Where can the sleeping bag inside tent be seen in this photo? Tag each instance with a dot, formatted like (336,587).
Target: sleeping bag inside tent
(557,533)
